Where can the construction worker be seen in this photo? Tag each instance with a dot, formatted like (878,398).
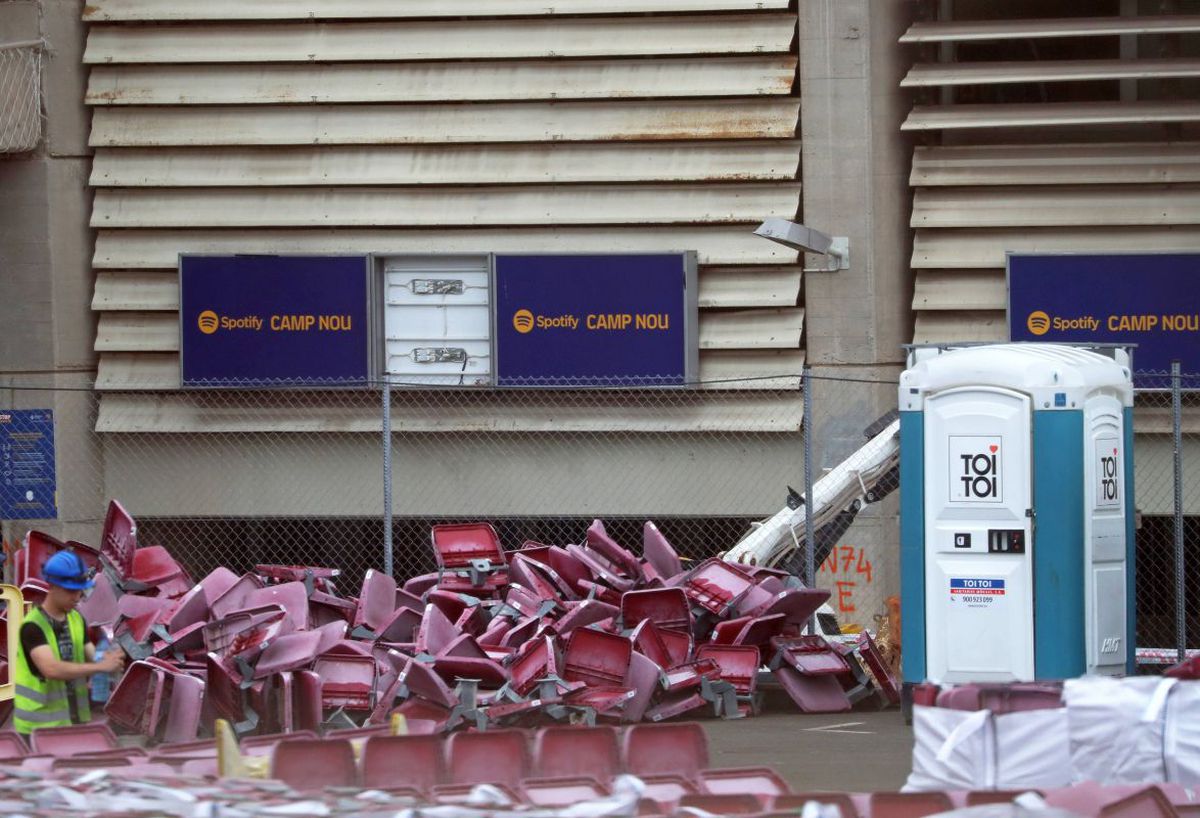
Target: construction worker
(55,659)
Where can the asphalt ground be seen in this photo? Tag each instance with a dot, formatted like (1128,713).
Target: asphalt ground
(859,751)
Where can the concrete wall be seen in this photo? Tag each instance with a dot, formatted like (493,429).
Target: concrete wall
(436,475)
(45,259)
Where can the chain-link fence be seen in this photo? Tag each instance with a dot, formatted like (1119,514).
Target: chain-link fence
(20,96)
(1167,459)
(238,477)
(297,476)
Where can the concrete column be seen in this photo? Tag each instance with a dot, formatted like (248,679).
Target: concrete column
(855,172)
(855,183)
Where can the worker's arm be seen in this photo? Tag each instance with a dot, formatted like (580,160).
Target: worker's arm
(58,670)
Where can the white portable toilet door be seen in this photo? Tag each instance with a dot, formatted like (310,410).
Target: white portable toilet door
(1104,535)
(978,536)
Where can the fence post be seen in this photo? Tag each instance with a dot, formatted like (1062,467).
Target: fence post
(809,535)
(386,390)
(1180,568)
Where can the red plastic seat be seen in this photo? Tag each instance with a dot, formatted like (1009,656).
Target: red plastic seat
(537,660)
(716,585)
(665,749)
(579,615)
(659,553)
(599,541)
(909,804)
(597,658)
(119,539)
(814,694)
(153,566)
(667,608)
(313,764)
(184,709)
(72,740)
(291,596)
(347,681)
(233,597)
(727,804)
(403,761)
(469,558)
(567,752)
(493,757)
(376,601)
(136,703)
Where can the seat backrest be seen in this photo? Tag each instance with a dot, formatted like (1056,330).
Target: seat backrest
(596,657)
(404,761)
(671,749)
(726,804)
(909,804)
(494,757)
(456,545)
(566,752)
(376,600)
(312,764)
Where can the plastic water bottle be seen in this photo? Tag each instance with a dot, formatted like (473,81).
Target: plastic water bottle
(101,682)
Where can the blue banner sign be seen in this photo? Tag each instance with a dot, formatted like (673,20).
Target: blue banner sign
(1150,299)
(595,320)
(274,320)
(27,480)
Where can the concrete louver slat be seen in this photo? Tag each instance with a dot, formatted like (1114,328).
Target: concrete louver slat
(160,249)
(980,248)
(1057,206)
(1056,164)
(960,290)
(437,207)
(995,73)
(462,39)
(376,165)
(1047,114)
(542,122)
(947,31)
(749,286)
(441,82)
(178,10)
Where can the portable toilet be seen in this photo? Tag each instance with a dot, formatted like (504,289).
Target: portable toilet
(1016,513)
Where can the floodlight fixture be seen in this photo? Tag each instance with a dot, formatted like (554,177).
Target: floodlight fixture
(808,240)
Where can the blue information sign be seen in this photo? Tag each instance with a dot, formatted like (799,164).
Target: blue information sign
(1150,299)
(274,320)
(595,320)
(27,483)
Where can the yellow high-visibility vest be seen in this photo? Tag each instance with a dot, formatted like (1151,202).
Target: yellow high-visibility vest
(43,702)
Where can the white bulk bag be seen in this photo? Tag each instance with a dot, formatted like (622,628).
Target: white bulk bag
(1116,728)
(952,750)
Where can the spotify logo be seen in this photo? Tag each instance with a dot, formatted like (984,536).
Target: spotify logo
(523,321)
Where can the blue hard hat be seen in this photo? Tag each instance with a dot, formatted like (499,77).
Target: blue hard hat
(66,570)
